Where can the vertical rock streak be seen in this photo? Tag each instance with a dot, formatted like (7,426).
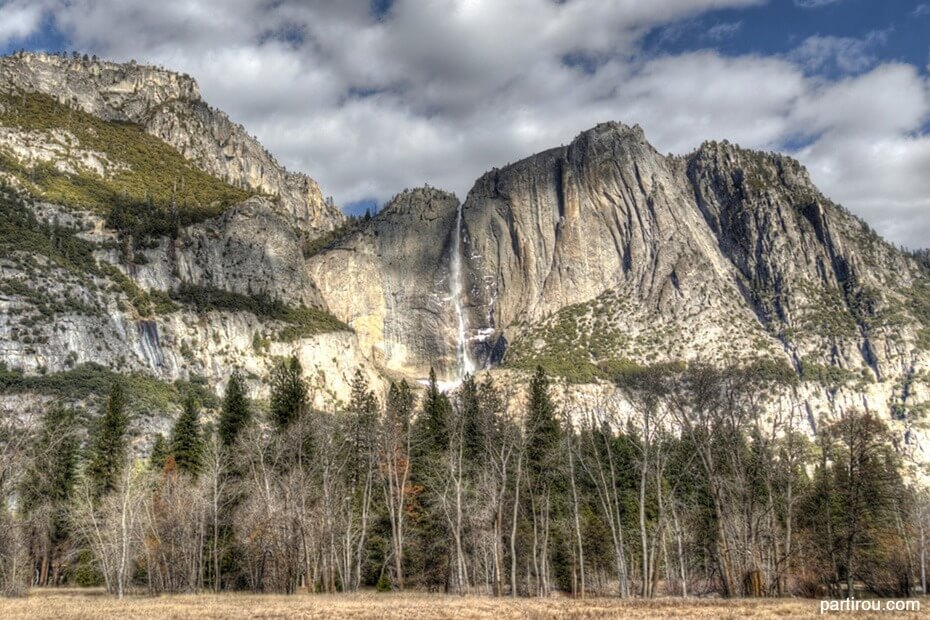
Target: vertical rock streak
(150,344)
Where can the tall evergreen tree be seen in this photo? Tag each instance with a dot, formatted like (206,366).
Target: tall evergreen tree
(109,443)
(491,407)
(288,393)
(46,491)
(867,492)
(235,416)
(473,426)
(433,431)
(435,419)
(363,418)
(160,452)
(236,412)
(187,442)
(543,427)
(396,470)
(399,406)
(53,469)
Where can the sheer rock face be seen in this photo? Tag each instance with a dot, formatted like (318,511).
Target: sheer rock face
(606,213)
(250,249)
(169,105)
(247,250)
(390,282)
(734,252)
(797,252)
(721,255)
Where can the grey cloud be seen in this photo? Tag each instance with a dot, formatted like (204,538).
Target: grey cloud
(441,90)
(20,18)
(841,54)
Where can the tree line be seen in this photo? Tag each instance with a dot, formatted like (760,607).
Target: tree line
(680,480)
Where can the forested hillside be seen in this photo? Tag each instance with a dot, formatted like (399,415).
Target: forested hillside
(607,371)
(450,492)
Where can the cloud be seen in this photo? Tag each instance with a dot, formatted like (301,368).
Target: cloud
(723,30)
(921,10)
(439,91)
(814,4)
(870,153)
(840,54)
(19,19)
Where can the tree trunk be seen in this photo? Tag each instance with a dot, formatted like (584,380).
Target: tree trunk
(513,528)
(571,466)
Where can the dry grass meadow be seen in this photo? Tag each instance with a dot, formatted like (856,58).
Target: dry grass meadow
(92,604)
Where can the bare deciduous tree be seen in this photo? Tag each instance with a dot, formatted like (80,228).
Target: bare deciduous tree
(111,525)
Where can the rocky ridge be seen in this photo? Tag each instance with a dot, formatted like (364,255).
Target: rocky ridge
(721,246)
(169,106)
(597,256)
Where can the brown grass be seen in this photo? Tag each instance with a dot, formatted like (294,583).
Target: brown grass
(92,604)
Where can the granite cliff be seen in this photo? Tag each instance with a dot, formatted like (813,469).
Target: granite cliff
(586,259)
(722,253)
(391,281)
(169,106)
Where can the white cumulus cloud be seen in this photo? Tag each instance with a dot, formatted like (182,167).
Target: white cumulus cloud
(439,91)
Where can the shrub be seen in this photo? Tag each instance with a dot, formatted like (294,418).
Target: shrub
(92,381)
(384,584)
(301,321)
(152,189)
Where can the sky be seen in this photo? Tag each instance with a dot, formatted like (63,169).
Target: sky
(371,96)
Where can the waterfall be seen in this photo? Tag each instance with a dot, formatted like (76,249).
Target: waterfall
(465,364)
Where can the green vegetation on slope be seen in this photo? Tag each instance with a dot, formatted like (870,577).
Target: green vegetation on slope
(583,342)
(31,246)
(20,231)
(327,239)
(572,342)
(301,321)
(24,241)
(150,190)
(145,394)
(833,376)
(919,305)
(824,315)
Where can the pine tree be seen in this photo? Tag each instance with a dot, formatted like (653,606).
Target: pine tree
(542,427)
(546,482)
(187,444)
(53,469)
(363,417)
(866,491)
(473,427)
(47,489)
(160,452)
(236,413)
(434,431)
(109,443)
(288,393)
(399,407)
(396,469)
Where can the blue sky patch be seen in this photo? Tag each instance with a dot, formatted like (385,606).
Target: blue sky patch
(779,28)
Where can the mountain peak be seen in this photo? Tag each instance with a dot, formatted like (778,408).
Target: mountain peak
(424,199)
(110,90)
(169,106)
(614,130)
